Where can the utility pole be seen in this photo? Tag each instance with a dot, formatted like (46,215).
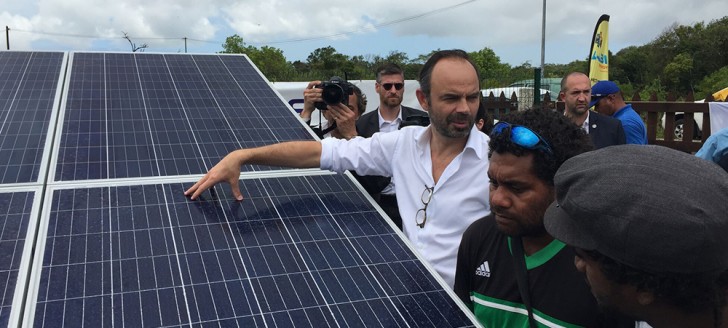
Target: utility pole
(7,37)
(185,44)
(543,37)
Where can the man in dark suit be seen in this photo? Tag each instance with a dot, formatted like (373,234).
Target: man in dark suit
(603,130)
(388,116)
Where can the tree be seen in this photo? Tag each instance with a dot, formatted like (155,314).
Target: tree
(712,83)
(493,73)
(679,59)
(134,47)
(630,62)
(327,62)
(678,74)
(271,61)
(233,45)
(361,69)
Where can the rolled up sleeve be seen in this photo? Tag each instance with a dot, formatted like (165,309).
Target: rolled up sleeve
(366,156)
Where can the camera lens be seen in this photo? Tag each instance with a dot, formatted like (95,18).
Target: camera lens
(332,94)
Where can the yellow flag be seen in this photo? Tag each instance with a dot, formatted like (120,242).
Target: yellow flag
(599,52)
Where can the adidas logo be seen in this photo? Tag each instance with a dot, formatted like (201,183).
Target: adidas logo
(483,270)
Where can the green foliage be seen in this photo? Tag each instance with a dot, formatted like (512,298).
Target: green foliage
(492,72)
(560,70)
(679,60)
(233,45)
(653,87)
(628,65)
(712,83)
(269,60)
(678,73)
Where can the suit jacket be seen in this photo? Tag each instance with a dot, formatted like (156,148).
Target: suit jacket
(366,126)
(605,131)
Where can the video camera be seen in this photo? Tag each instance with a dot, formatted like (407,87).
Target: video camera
(334,91)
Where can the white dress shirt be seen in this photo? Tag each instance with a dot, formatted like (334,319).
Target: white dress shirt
(389,126)
(460,196)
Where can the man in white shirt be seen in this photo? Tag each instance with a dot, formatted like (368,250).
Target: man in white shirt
(386,118)
(440,169)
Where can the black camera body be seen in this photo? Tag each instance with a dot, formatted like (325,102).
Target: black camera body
(334,91)
(417,119)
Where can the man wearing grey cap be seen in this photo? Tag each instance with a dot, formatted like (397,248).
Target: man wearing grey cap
(526,149)
(650,226)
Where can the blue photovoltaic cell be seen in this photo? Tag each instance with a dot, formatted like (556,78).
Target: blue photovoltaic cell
(138,115)
(302,251)
(28,85)
(15,208)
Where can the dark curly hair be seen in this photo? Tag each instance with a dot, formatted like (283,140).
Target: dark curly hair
(565,138)
(689,292)
(361,99)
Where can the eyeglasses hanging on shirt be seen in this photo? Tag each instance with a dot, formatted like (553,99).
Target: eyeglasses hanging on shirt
(421,215)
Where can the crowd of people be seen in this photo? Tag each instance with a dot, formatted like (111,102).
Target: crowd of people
(541,219)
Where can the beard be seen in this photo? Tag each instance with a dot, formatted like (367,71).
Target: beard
(579,111)
(516,228)
(392,101)
(443,126)
(523,221)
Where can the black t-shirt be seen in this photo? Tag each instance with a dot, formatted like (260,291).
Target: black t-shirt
(486,282)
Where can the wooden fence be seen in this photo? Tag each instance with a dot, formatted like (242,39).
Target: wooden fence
(680,118)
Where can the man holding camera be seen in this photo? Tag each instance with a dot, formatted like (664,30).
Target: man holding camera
(438,168)
(341,111)
(387,118)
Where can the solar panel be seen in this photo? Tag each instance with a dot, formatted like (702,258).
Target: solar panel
(132,115)
(18,212)
(116,242)
(304,251)
(29,92)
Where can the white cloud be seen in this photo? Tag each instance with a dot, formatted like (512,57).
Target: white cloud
(501,25)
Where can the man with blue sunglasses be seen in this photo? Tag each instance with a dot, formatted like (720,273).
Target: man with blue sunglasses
(526,149)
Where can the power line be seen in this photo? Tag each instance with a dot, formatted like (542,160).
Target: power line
(94,36)
(385,24)
(393,22)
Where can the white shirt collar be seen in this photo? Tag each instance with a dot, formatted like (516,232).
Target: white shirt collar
(396,121)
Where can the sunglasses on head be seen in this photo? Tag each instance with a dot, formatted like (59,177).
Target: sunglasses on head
(522,136)
(397,86)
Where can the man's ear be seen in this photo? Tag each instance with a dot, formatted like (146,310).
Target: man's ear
(645,298)
(422,98)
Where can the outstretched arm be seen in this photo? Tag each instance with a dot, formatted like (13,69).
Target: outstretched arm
(295,154)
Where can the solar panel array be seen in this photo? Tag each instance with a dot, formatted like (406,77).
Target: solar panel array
(29,88)
(18,210)
(118,243)
(129,116)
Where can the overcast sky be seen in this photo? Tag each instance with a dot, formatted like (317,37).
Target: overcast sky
(512,28)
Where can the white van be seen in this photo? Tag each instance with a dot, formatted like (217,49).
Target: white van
(679,129)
